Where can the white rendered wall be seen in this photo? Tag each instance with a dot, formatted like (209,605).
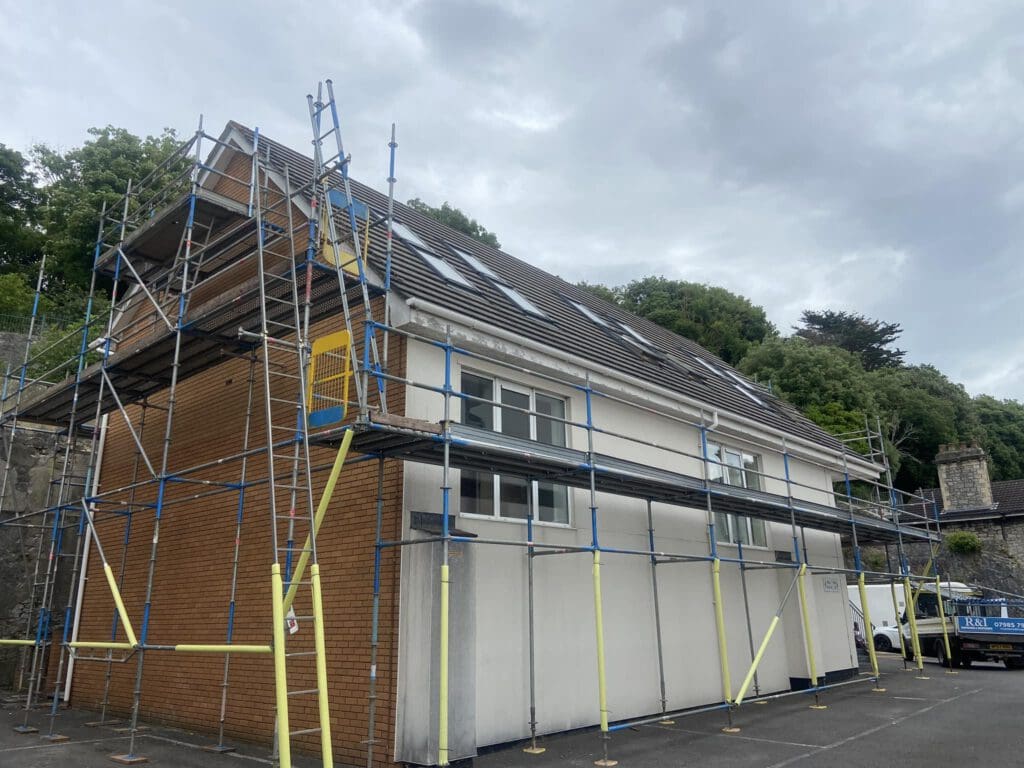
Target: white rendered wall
(564,605)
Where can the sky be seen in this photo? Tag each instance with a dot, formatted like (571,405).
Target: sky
(859,156)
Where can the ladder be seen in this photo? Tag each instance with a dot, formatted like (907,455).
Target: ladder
(346,251)
(300,667)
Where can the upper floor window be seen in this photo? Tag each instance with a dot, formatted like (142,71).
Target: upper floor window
(518,412)
(742,469)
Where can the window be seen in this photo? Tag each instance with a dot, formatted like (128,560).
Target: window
(733,466)
(520,301)
(408,235)
(444,269)
(506,408)
(588,313)
(476,264)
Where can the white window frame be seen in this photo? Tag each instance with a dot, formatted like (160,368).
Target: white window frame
(730,528)
(499,385)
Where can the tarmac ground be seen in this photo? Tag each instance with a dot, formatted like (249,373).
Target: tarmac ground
(973,717)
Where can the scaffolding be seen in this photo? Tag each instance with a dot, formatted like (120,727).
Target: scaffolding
(277,264)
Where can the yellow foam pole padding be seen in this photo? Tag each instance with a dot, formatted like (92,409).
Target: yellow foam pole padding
(102,646)
(17,642)
(602,682)
(128,631)
(942,618)
(896,612)
(327,753)
(321,511)
(222,648)
(723,647)
(915,639)
(442,719)
(805,615)
(757,660)
(284,747)
(869,638)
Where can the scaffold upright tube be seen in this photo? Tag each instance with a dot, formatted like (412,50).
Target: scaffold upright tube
(806,620)
(868,631)
(284,750)
(723,648)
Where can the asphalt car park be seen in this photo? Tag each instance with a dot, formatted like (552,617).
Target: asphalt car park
(973,716)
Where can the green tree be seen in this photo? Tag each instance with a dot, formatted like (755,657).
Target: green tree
(456,219)
(77,183)
(828,384)
(722,322)
(601,291)
(921,409)
(20,239)
(870,340)
(1002,435)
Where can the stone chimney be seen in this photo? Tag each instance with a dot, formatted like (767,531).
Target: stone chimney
(963,477)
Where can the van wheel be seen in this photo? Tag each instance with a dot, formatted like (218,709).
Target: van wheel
(940,654)
(1013,663)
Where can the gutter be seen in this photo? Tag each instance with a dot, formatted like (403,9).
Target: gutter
(82,579)
(693,404)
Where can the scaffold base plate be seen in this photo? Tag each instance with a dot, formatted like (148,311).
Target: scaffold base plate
(129,759)
(220,749)
(535,750)
(55,738)
(25,729)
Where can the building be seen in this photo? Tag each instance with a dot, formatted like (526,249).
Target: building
(968,500)
(553,514)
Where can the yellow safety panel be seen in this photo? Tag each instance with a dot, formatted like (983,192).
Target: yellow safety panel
(330,372)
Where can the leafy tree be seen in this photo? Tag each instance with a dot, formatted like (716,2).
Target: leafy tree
(721,322)
(827,384)
(920,410)
(1002,435)
(601,291)
(77,183)
(20,240)
(869,339)
(456,219)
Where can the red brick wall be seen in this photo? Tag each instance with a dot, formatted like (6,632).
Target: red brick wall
(194,565)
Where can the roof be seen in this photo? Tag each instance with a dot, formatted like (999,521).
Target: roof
(674,362)
(1007,501)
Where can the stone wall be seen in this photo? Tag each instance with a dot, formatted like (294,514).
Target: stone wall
(26,490)
(12,350)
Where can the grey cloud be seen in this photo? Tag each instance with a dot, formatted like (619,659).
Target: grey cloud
(860,155)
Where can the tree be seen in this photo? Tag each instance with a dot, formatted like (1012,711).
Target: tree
(722,322)
(1001,424)
(869,339)
(456,219)
(601,291)
(77,183)
(20,239)
(827,384)
(921,409)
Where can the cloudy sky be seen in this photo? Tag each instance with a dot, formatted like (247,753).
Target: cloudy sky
(864,156)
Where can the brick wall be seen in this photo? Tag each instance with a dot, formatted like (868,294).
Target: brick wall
(194,565)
